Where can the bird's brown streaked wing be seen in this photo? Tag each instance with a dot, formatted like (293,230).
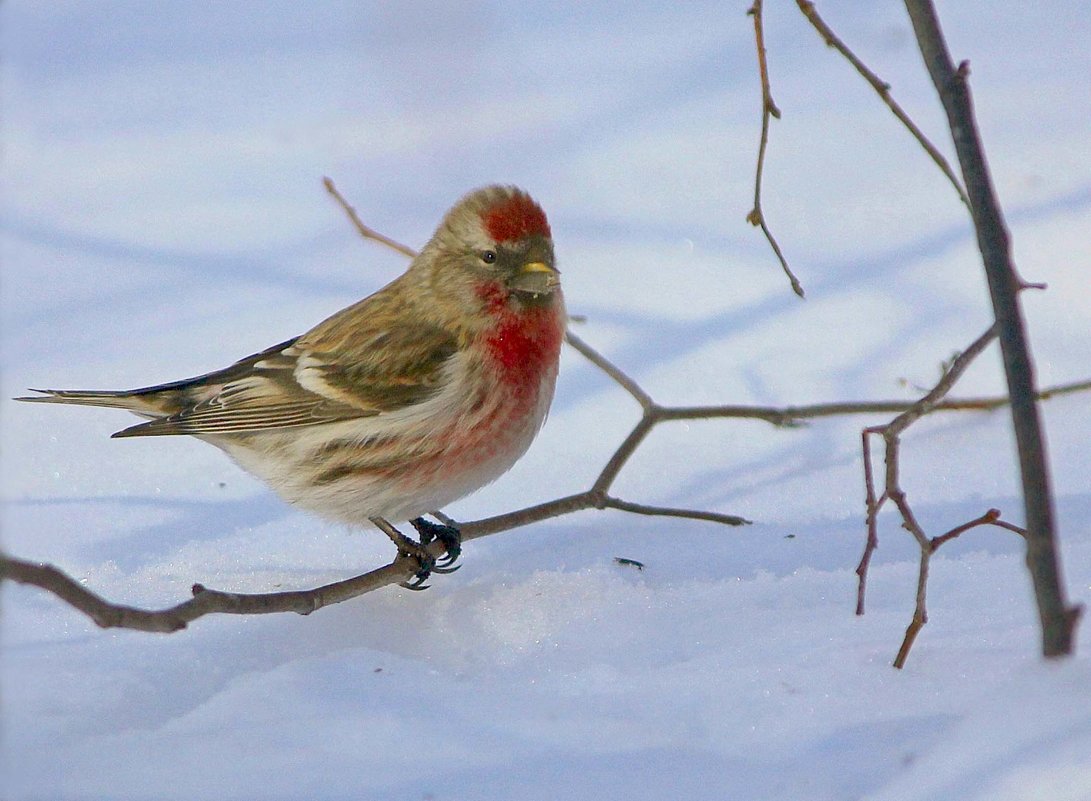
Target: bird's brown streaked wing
(399,366)
(257,393)
(299,386)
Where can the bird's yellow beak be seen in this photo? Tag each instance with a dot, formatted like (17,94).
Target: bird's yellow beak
(538,267)
(536,277)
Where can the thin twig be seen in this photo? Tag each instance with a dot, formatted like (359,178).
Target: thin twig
(890,432)
(991,517)
(882,88)
(611,370)
(666,511)
(794,416)
(768,110)
(589,499)
(920,612)
(365,231)
(953,372)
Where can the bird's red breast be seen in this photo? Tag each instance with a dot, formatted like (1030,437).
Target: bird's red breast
(524,341)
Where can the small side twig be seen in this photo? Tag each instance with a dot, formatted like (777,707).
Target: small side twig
(892,491)
(890,433)
(768,110)
(920,612)
(365,231)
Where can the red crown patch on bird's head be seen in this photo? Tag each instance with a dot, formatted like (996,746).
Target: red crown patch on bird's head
(514,218)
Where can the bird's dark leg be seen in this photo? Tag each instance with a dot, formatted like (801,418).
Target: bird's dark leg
(408,547)
(446,533)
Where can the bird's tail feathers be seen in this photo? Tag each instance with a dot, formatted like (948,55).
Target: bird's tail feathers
(133,401)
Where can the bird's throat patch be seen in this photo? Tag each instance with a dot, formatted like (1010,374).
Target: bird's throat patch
(526,338)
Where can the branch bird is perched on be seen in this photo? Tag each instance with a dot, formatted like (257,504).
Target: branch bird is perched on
(405,401)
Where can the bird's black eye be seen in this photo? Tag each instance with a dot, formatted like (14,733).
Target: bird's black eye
(488,256)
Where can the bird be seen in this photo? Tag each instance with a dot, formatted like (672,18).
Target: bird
(402,403)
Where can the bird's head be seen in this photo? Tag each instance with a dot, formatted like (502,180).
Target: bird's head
(494,245)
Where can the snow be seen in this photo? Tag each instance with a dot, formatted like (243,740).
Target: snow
(163,215)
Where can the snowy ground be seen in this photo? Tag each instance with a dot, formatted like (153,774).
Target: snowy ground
(163,215)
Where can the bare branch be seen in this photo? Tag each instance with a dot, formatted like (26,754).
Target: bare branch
(625,450)
(918,620)
(990,518)
(104,614)
(768,110)
(873,503)
(204,601)
(920,613)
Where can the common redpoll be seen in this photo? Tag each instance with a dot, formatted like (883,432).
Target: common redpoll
(403,402)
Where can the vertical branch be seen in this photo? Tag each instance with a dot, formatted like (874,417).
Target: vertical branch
(1058,618)
(874,504)
(768,110)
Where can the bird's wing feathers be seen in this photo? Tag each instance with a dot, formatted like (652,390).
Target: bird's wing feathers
(399,366)
(309,380)
(296,384)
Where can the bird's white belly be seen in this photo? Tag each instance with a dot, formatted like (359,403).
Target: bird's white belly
(399,465)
